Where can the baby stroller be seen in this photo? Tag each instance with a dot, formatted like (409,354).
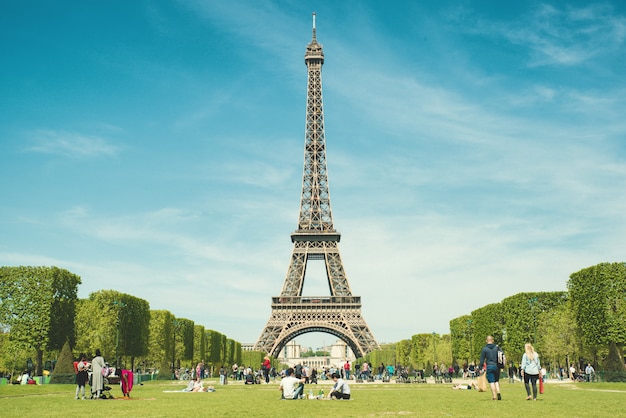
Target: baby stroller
(108,379)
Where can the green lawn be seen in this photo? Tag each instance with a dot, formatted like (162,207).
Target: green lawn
(368,400)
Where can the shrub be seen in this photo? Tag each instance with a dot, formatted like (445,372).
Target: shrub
(64,370)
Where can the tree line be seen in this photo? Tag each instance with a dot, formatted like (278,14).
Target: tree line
(585,324)
(40,311)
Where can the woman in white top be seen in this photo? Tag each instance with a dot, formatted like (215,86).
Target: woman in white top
(530,370)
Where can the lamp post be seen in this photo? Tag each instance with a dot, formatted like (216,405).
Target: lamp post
(119,306)
(532,302)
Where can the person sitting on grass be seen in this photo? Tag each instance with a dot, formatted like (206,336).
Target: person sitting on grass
(199,387)
(291,386)
(340,389)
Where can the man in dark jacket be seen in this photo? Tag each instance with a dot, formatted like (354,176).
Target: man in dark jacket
(489,356)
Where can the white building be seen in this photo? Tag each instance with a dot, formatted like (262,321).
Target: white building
(339,353)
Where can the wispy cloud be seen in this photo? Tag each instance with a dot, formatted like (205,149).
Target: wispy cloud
(556,35)
(71,144)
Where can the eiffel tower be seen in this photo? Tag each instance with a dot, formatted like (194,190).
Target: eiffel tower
(315,239)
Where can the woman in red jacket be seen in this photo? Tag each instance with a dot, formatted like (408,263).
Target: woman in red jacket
(266,366)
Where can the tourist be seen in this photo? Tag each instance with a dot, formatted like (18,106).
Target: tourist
(512,372)
(530,370)
(346,369)
(589,372)
(222,375)
(81,368)
(463,386)
(126,382)
(97,379)
(390,371)
(340,389)
(266,366)
(381,370)
(291,386)
(489,360)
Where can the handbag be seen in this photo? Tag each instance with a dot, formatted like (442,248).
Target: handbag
(482,383)
(541,384)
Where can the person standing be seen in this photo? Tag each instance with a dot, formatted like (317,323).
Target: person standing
(82,375)
(530,370)
(222,375)
(391,371)
(266,366)
(489,361)
(346,369)
(97,380)
(381,370)
(512,372)
(365,370)
(589,372)
(199,370)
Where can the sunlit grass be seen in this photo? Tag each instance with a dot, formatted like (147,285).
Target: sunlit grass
(369,400)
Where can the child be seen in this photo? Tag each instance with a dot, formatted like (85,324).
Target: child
(82,375)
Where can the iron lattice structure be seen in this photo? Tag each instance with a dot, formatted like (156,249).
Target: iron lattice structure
(316,239)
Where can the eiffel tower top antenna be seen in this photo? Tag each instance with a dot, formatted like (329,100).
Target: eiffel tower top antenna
(313,26)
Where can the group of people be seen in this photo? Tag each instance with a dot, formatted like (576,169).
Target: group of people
(250,375)
(95,373)
(196,385)
(530,369)
(292,386)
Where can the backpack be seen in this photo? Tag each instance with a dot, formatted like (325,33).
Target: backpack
(501,359)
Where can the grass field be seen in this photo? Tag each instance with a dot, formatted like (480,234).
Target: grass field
(368,400)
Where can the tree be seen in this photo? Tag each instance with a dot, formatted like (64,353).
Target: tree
(37,306)
(252,358)
(13,355)
(98,327)
(597,296)
(186,333)
(486,321)
(230,351)
(134,326)
(422,350)
(403,352)
(523,317)
(559,336)
(214,347)
(63,308)
(460,338)
(199,348)
(160,342)
(386,354)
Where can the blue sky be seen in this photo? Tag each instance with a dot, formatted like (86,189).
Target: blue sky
(476,149)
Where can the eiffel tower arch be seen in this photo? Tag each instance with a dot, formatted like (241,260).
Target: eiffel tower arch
(315,238)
